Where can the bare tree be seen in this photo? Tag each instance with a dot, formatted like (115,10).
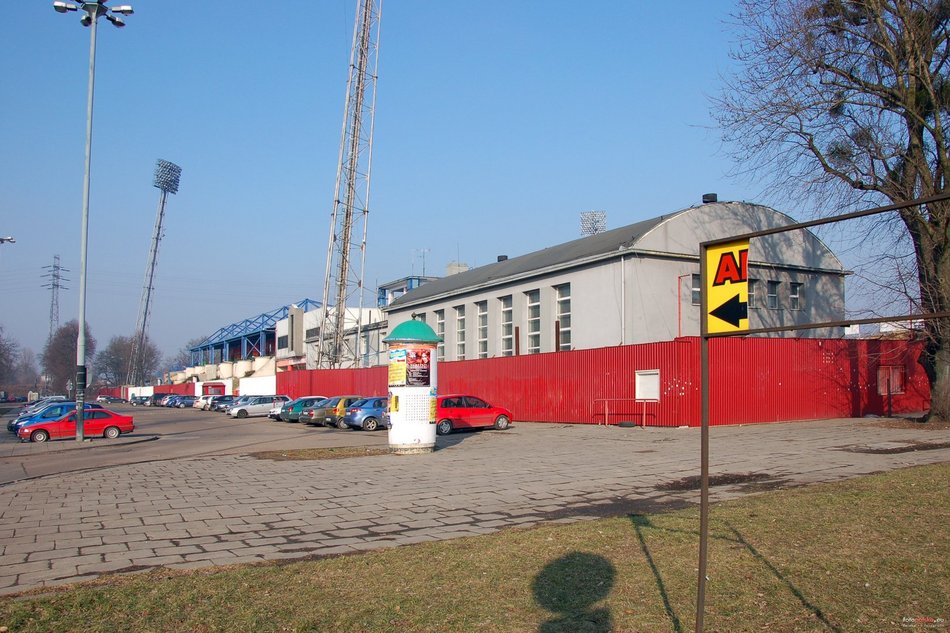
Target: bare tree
(112,363)
(59,355)
(25,371)
(845,101)
(9,354)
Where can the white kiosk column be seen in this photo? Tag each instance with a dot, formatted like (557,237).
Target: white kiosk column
(412,387)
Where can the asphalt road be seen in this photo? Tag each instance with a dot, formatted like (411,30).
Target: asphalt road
(162,434)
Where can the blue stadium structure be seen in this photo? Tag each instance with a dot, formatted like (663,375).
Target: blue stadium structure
(251,337)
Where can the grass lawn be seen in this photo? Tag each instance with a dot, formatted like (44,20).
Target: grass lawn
(869,554)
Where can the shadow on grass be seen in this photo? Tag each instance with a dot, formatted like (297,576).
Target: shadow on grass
(814,609)
(570,586)
(641,523)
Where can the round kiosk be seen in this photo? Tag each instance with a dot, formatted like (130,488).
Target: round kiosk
(412,387)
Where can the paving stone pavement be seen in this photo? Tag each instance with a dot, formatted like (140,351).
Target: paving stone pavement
(223,510)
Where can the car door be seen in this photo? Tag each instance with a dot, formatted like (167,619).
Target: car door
(63,427)
(453,409)
(94,422)
(477,411)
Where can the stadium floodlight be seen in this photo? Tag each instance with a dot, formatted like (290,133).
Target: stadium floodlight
(125,9)
(167,176)
(63,7)
(6,239)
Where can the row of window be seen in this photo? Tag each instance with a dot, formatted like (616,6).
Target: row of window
(771,296)
(506,325)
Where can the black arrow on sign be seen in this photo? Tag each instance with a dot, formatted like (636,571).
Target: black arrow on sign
(732,311)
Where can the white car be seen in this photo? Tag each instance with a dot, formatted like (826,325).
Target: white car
(257,406)
(202,402)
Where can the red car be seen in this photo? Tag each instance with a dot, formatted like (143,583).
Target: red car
(455,411)
(101,422)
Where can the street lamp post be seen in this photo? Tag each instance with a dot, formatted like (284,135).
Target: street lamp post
(93,11)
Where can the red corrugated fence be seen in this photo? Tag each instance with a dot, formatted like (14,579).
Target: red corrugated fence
(751,380)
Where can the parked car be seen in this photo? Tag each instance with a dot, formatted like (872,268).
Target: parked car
(224,404)
(329,412)
(456,411)
(184,402)
(138,401)
(169,401)
(96,422)
(155,400)
(256,406)
(290,411)
(52,411)
(36,405)
(201,401)
(111,400)
(220,403)
(366,414)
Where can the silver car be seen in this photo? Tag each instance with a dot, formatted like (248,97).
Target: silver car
(256,406)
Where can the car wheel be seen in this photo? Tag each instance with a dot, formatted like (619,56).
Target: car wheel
(340,424)
(370,424)
(112,432)
(502,422)
(39,436)
(444,427)
(241,414)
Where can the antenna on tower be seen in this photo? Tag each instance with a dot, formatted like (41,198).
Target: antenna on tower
(167,177)
(346,250)
(593,222)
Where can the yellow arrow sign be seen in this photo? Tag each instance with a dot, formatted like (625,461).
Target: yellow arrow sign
(727,288)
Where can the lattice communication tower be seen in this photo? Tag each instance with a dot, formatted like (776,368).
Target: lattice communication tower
(346,249)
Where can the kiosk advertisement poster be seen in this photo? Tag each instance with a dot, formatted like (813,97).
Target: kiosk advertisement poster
(397,367)
(418,366)
(410,366)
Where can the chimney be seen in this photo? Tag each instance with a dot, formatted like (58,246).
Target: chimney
(710,197)
(502,258)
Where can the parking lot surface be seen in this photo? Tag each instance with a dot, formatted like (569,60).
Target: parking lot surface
(222,509)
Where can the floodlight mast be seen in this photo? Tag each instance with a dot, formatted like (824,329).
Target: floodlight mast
(92,12)
(167,178)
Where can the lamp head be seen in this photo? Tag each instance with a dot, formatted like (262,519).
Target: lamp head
(63,7)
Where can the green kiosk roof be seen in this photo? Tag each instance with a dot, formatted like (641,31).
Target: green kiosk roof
(413,332)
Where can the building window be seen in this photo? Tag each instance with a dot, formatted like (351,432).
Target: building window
(890,379)
(795,296)
(420,316)
(563,312)
(697,294)
(281,342)
(534,321)
(751,287)
(440,330)
(460,332)
(481,310)
(507,327)
(772,297)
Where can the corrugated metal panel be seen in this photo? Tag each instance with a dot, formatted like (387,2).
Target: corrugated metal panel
(751,380)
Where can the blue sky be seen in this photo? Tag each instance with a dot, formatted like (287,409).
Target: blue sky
(497,124)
